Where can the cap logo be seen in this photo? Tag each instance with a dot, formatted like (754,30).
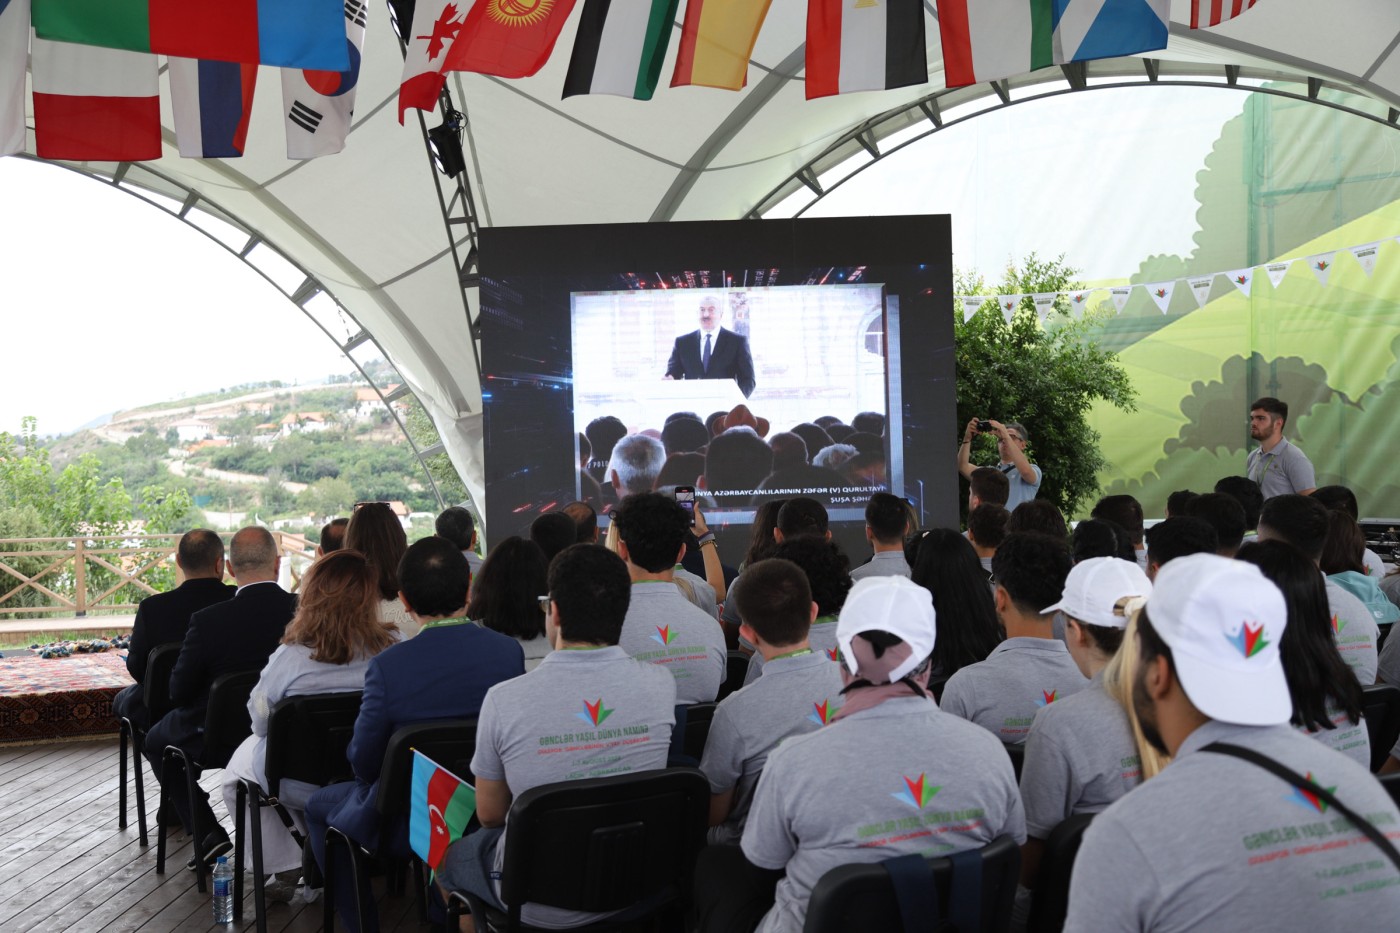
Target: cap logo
(1249,639)
(833,654)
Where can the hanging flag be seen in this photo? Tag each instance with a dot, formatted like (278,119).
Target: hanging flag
(436,25)
(1008,305)
(620,47)
(95,105)
(971,305)
(1243,279)
(1079,301)
(1276,271)
(318,105)
(865,45)
(1214,12)
(717,38)
(1201,289)
(1321,265)
(1044,303)
(1088,29)
(1366,255)
(1161,293)
(286,33)
(984,40)
(212,103)
(1120,296)
(508,38)
(14,63)
(439,808)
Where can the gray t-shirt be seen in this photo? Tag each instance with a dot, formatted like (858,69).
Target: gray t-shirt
(663,627)
(1003,693)
(883,564)
(797,694)
(698,590)
(1020,491)
(1216,843)
(580,714)
(1285,469)
(1080,757)
(821,637)
(1351,739)
(896,779)
(1355,631)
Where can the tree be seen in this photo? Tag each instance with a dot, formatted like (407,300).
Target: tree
(1044,376)
(327,497)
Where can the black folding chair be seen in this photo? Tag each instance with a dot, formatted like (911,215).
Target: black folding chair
(1381,706)
(226,724)
(306,741)
(689,734)
(1391,782)
(866,898)
(449,742)
(624,843)
(155,696)
(1017,754)
(736,667)
(1050,903)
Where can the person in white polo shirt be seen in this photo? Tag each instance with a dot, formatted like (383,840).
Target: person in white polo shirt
(1253,826)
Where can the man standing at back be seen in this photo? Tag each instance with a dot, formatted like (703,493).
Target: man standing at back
(886,525)
(1023,476)
(1276,465)
(165,617)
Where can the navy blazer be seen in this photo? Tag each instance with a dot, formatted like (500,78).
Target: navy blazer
(729,359)
(165,617)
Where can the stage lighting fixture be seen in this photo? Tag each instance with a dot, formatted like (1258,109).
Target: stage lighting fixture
(401,17)
(445,143)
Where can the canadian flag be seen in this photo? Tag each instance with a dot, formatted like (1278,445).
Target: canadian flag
(436,25)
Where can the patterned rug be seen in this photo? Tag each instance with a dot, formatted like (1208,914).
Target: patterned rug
(59,697)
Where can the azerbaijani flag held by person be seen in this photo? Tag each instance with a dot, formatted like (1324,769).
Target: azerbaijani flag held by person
(717,39)
(620,47)
(1090,29)
(1214,12)
(864,46)
(286,33)
(14,63)
(212,103)
(440,806)
(508,38)
(93,104)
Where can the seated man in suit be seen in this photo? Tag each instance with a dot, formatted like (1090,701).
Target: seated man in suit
(441,673)
(712,352)
(237,635)
(165,617)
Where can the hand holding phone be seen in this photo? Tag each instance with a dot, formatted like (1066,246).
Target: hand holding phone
(685,495)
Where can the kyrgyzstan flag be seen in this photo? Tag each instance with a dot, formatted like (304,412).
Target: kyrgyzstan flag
(95,105)
(864,45)
(14,62)
(508,38)
(717,39)
(318,105)
(212,102)
(436,25)
(440,805)
(286,33)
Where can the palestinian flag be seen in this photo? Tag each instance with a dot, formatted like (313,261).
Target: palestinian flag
(440,806)
(867,45)
(717,39)
(620,47)
(1214,12)
(95,105)
(508,38)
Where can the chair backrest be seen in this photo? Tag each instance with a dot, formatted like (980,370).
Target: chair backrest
(603,844)
(1050,903)
(1391,782)
(155,691)
(307,737)
(226,720)
(1018,757)
(735,669)
(698,717)
(1381,705)
(860,898)
(449,742)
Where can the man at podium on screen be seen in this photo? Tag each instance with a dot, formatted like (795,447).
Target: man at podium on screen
(712,352)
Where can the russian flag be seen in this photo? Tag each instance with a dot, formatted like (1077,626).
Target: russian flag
(213,102)
(95,105)
(14,62)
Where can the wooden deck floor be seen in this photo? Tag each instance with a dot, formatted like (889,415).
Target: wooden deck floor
(65,864)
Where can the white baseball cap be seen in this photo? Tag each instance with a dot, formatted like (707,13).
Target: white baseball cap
(896,605)
(1223,620)
(1101,591)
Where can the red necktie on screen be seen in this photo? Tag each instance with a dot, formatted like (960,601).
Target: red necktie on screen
(705,357)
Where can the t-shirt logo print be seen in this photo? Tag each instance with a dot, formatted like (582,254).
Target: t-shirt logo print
(594,713)
(821,713)
(916,793)
(665,635)
(1337,624)
(1306,798)
(1249,639)
(1047,697)
(833,654)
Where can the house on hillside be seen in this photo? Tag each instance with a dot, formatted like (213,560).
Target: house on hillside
(304,421)
(192,430)
(369,406)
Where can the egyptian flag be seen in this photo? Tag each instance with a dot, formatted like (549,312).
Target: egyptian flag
(14,62)
(286,33)
(717,39)
(620,47)
(212,102)
(867,45)
(508,38)
(440,805)
(318,105)
(1206,13)
(436,25)
(95,105)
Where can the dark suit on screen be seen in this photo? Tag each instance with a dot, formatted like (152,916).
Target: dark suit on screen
(729,359)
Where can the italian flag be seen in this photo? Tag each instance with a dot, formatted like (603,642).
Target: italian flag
(717,39)
(984,40)
(93,104)
(620,47)
(865,45)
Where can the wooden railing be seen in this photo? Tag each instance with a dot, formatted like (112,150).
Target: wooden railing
(106,574)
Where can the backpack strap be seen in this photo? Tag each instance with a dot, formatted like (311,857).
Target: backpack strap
(914,891)
(965,892)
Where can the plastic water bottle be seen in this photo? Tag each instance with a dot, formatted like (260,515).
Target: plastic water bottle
(223,891)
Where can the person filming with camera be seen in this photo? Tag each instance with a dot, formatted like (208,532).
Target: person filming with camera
(1023,475)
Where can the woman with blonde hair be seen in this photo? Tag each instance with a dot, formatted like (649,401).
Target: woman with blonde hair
(325,649)
(1118,683)
(375,531)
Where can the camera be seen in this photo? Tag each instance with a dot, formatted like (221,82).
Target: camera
(984,427)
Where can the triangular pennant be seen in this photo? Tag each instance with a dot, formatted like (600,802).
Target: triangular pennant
(971,305)
(1201,289)
(1008,305)
(1120,296)
(1366,255)
(1161,293)
(1044,303)
(1276,271)
(1321,265)
(1243,279)
(1079,301)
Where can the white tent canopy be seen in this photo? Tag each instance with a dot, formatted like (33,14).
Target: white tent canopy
(365,226)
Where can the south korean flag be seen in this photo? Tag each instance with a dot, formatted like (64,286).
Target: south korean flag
(318,105)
